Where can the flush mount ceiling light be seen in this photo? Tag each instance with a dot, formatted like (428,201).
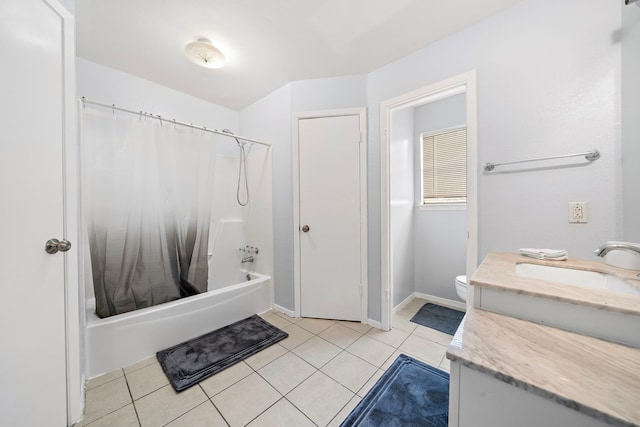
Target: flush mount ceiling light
(204,54)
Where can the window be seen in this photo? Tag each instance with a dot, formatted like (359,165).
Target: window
(444,167)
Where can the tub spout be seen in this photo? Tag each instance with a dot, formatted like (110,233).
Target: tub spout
(247,259)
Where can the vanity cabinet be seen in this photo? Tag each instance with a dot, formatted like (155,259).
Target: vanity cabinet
(480,400)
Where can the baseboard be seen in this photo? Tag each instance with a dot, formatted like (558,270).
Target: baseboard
(404,303)
(457,305)
(281,309)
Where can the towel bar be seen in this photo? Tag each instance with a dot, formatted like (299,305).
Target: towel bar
(589,155)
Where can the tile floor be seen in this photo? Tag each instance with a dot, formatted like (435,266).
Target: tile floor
(315,377)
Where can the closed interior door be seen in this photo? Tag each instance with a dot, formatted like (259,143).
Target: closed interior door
(330,254)
(32,330)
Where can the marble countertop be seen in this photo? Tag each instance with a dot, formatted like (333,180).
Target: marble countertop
(598,378)
(497,271)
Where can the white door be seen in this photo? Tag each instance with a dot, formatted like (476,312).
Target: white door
(32,303)
(330,208)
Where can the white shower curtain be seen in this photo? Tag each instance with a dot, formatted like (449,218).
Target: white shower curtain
(147,195)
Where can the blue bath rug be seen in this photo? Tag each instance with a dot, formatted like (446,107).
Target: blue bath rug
(192,361)
(440,318)
(410,393)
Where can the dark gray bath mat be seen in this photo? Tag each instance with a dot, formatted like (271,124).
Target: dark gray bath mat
(192,361)
(440,318)
(409,393)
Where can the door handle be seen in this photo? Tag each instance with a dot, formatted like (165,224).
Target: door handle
(54,246)
(305,228)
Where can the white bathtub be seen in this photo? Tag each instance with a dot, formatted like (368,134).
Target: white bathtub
(121,340)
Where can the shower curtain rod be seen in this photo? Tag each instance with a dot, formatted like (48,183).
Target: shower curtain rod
(174,121)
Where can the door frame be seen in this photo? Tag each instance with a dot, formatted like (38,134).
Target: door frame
(71,206)
(462,83)
(362,113)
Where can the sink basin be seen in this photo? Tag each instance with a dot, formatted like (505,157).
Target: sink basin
(582,278)
(584,297)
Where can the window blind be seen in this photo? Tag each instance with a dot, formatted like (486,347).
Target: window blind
(444,167)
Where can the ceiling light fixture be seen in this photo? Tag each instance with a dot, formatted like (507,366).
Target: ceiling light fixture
(204,54)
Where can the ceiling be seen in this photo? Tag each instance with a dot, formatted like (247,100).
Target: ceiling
(268,43)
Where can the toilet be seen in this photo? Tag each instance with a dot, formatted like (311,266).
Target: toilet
(461,287)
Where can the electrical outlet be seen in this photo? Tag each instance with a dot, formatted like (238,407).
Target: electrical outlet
(578,212)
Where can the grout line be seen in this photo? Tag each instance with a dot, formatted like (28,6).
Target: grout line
(218,410)
(300,410)
(135,409)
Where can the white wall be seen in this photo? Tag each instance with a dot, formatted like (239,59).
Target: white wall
(548,83)
(630,37)
(402,195)
(270,120)
(440,234)
(109,86)
(329,94)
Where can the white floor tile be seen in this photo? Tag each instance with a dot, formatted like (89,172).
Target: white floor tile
(317,351)
(349,370)
(445,364)
(140,364)
(340,335)
(146,380)
(276,320)
(373,351)
(123,417)
(426,350)
(204,415)
(226,378)
(394,337)
(320,398)
(315,326)
(286,372)
(103,379)
(245,400)
(165,405)
(297,336)
(344,412)
(107,398)
(369,384)
(404,323)
(282,414)
(265,356)
(433,335)
(356,326)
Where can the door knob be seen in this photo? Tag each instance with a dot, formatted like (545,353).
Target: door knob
(54,245)
(305,228)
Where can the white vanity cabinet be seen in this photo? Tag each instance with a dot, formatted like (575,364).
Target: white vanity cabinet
(508,372)
(480,400)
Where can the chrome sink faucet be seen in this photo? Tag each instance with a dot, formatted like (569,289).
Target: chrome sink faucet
(609,246)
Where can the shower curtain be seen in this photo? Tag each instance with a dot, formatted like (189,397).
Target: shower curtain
(147,197)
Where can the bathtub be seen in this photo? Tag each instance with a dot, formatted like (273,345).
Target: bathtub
(119,341)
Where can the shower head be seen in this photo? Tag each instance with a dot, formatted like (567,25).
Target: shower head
(636,2)
(240,144)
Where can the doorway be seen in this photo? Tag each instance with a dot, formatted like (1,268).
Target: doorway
(330,248)
(461,84)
